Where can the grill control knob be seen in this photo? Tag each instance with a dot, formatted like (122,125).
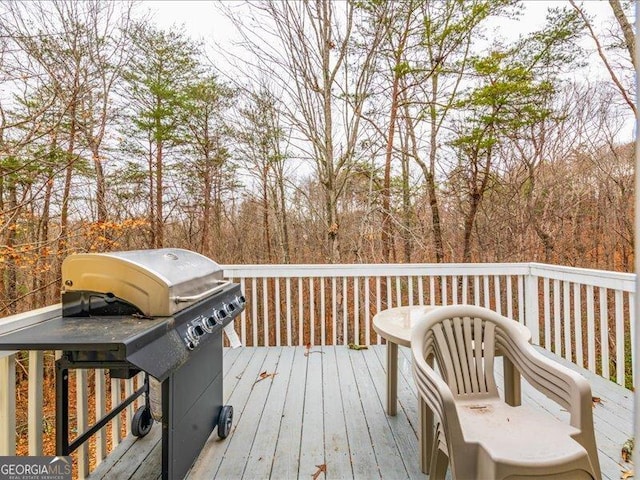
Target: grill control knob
(229,307)
(191,345)
(241,301)
(221,314)
(194,333)
(208,323)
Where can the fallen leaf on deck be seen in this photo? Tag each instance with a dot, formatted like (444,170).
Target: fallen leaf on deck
(354,346)
(626,474)
(627,450)
(321,469)
(264,375)
(596,400)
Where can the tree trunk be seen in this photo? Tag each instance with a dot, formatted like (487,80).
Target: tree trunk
(43,278)
(333,225)
(11,270)
(430,178)
(159,234)
(101,190)
(386,185)
(265,213)
(205,243)
(627,29)
(152,203)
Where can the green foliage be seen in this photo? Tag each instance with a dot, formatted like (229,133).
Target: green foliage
(158,77)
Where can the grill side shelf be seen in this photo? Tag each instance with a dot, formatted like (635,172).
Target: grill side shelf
(82,333)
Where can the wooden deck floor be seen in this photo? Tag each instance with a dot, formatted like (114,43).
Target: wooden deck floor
(324,411)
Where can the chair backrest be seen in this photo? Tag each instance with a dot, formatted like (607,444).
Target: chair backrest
(464,349)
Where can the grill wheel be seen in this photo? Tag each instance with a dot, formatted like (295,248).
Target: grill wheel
(225,419)
(141,422)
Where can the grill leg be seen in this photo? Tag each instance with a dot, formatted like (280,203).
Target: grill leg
(62,408)
(147,400)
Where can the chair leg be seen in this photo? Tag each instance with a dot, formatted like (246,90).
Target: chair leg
(426,436)
(439,460)
(439,465)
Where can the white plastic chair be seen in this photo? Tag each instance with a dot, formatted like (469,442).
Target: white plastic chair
(477,434)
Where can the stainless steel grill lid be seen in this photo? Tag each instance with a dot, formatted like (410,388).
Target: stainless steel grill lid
(158,282)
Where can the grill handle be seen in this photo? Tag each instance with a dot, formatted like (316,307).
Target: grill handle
(200,296)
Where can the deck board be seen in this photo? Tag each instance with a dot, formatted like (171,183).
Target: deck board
(336,441)
(363,457)
(328,407)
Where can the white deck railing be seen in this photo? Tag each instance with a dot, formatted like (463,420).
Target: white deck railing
(584,315)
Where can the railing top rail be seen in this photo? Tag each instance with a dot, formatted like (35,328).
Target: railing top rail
(26,319)
(374,269)
(586,276)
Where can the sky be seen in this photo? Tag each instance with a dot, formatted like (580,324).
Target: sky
(203,20)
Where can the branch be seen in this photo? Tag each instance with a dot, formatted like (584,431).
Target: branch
(602,55)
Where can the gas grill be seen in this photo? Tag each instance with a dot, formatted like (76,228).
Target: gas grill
(161,312)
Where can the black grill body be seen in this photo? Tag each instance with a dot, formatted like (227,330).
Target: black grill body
(184,351)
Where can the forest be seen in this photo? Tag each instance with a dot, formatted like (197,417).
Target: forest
(362,131)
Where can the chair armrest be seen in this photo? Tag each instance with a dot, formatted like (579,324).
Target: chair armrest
(560,384)
(435,392)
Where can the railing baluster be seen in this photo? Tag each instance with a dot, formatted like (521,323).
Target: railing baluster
(312,312)
(399,301)
(367,313)
(100,407)
(82,422)
(632,328)
(243,317)
(445,293)
(604,332)
(410,289)
(454,289)
(556,318)
(509,296)
(432,290)
(496,294)
(465,288)
(35,414)
(591,331)
(334,316)
(115,423)
(265,311)
(378,306)
(521,300)
(356,310)
(128,391)
(389,301)
(485,291)
(288,297)
(300,313)
(254,311)
(476,290)
(7,403)
(547,317)
(620,363)
(577,318)
(566,318)
(323,314)
(345,312)
(278,319)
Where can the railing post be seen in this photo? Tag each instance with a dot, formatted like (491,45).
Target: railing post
(36,378)
(7,403)
(531,314)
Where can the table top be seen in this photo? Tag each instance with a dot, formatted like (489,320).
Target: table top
(394,324)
